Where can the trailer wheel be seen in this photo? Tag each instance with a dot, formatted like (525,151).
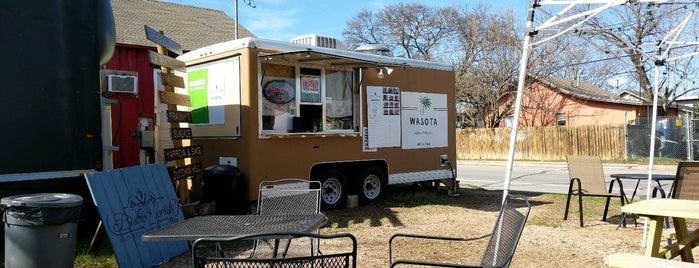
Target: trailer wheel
(333,194)
(372,185)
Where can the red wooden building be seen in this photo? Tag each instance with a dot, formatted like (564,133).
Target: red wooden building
(130,80)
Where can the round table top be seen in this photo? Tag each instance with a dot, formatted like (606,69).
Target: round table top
(641,176)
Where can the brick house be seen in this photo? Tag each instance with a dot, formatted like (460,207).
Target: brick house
(551,101)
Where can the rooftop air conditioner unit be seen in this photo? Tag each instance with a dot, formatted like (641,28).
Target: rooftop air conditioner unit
(318,41)
(122,84)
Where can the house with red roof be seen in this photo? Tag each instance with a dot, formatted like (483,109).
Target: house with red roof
(551,101)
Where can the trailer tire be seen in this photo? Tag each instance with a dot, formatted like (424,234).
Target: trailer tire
(372,185)
(333,195)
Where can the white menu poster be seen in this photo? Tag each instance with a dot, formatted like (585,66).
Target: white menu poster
(383,112)
(424,120)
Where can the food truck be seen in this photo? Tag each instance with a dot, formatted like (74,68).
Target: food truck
(355,121)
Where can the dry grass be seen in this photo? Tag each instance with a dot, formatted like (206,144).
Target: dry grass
(547,241)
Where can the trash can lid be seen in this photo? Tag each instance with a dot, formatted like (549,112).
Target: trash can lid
(222,169)
(45,200)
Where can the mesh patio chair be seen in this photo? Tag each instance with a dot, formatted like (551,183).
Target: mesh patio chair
(288,196)
(587,179)
(685,186)
(341,252)
(500,248)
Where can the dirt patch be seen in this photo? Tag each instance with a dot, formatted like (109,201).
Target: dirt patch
(547,241)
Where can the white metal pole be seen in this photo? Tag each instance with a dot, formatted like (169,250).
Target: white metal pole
(656,82)
(518,100)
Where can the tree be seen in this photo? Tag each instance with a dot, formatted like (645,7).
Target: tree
(488,69)
(409,30)
(632,33)
(484,47)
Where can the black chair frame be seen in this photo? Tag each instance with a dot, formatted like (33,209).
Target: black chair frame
(501,246)
(339,259)
(580,194)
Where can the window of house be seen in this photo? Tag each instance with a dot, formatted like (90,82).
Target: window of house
(561,119)
(307,100)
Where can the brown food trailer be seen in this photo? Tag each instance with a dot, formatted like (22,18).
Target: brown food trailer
(354,121)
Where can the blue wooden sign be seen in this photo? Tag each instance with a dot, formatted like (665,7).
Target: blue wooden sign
(132,201)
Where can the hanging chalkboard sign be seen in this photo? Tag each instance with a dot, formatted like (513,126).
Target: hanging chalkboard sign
(183,152)
(180,133)
(161,39)
(179,173)
(163,60)
(179,116)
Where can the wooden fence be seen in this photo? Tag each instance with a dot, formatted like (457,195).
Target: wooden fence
(543,143)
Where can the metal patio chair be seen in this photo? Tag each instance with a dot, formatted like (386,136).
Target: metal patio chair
(288,196)
(501,246)
(685,186)
(587,179)
(341,252)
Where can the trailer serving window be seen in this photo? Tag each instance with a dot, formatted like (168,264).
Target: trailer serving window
(340,101)
(306,98)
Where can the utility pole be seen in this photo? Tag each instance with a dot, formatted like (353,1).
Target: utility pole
(251,4)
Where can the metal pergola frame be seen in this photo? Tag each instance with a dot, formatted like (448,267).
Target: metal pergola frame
(561,23)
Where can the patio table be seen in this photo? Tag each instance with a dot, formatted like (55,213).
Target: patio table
(220,226)
(677,209)
(638,177)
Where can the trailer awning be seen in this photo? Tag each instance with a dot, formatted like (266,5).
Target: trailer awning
(328,60)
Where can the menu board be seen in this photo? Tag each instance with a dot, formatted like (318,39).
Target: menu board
(383,112)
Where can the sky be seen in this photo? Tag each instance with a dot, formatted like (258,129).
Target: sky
(285,19)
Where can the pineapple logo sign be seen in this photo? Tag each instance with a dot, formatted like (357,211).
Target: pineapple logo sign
(424,120)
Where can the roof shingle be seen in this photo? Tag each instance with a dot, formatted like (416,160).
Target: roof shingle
(192,27)
(584,90)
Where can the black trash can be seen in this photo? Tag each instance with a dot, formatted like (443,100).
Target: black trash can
(40,229)
(224,185)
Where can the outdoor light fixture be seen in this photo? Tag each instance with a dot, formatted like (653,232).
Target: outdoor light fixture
(381,74)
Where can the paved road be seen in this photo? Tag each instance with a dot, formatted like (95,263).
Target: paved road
(544,177)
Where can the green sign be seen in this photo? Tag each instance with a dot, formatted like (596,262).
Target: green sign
(197,85)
